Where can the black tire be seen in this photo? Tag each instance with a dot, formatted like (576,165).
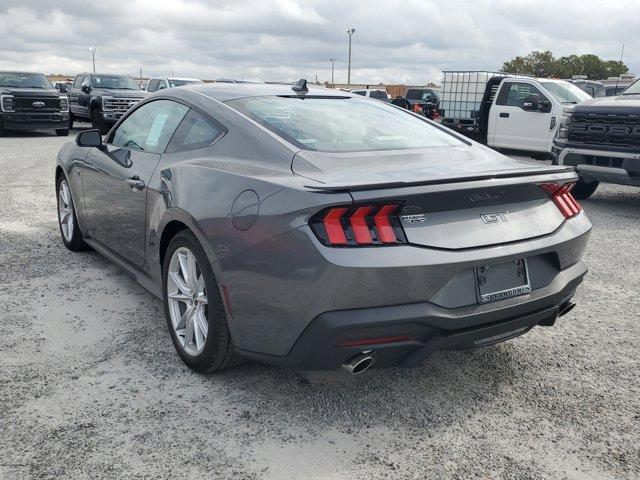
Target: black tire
(62,132)
(218,353)
(3,131)
(584,189)
(402,103)
(98,122)
(76,242)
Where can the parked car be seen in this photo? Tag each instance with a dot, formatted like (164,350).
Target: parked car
(28,101)
(592,87)
(313,228)
(102,98)
(506,111)
(377,93)
(601,138)
(421,100)
(615,85)
(160,83)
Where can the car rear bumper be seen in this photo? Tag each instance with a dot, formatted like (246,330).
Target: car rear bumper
(34,121)
(303,284)
(415,331)
(602,165)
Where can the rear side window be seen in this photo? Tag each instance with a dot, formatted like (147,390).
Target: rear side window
(341,124)
(195,131)
(150,127)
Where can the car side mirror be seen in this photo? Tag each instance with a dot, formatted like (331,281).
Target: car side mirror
(531,103)
(89,138)
(86,88)
(545,106)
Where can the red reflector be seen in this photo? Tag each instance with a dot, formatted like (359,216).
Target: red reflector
(333,226)
(375,341)
(561,196)
(359,225)
(383,224)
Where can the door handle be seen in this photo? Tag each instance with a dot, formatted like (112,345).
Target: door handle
(135,182)
(504,115)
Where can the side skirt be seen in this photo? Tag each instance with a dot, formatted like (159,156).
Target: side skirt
(141,277)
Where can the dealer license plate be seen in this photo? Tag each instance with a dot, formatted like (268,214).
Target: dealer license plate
(502,280)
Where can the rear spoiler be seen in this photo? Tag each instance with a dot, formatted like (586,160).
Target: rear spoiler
(550,174)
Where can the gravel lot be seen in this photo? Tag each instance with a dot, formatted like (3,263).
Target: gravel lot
(90,385)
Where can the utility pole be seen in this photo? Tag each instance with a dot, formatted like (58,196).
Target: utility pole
(93,51)
(140,77)
(333,63)
(350,31)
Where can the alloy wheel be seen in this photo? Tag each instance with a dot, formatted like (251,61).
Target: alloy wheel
(65,211)
(187,301)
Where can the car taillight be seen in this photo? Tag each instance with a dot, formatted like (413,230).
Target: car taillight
(359,226)
(417,108)
(561,196)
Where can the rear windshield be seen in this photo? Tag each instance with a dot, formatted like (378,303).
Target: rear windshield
(342,124)
(378,94)
(24,80)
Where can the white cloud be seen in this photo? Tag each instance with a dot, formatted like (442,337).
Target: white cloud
(409,41)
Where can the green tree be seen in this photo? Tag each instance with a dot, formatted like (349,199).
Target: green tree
(544,64)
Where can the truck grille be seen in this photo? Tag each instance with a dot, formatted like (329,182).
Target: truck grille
(26,104)
(605,130)
(120,105)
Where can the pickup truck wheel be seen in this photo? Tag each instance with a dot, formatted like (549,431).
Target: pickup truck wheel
(584,189)
(3,131)
(98,122)
(193,305)
(62,132)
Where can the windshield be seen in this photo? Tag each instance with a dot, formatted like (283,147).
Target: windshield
(633,89)
(378,94)
(342,124)
(179,83)
(24,80)
(566,92)
(115,82)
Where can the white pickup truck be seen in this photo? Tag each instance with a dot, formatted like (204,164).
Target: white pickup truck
(506,111)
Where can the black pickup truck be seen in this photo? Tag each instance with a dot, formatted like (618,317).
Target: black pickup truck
(28,101)
(601,138)
(102,99)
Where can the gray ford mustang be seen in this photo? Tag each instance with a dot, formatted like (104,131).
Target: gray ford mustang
(310,228)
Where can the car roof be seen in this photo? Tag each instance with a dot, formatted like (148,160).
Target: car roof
(22,71)
(231,91)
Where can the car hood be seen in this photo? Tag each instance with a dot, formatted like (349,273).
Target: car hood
(30,92)
(621,104)
(406,167)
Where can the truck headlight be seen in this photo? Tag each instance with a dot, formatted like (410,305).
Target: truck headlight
(6,103)
(104,103)
(563,127)
(64,104)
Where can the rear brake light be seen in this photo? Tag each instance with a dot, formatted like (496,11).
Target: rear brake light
(417,108)
(561,196)
(359,225)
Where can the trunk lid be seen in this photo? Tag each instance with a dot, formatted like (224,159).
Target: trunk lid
(450,198)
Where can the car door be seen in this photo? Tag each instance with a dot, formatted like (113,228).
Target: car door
(74,93)
(511,126)
(116,176)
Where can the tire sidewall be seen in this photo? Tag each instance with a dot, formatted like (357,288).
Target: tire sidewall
(218,336)
(76,241)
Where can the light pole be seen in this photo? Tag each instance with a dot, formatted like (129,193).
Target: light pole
(93,51)
(350,31)
(333,64)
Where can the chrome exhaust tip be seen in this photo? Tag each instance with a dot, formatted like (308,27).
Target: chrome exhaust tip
(359,363)
(566,308)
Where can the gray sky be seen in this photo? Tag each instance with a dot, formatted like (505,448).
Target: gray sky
(399,41)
